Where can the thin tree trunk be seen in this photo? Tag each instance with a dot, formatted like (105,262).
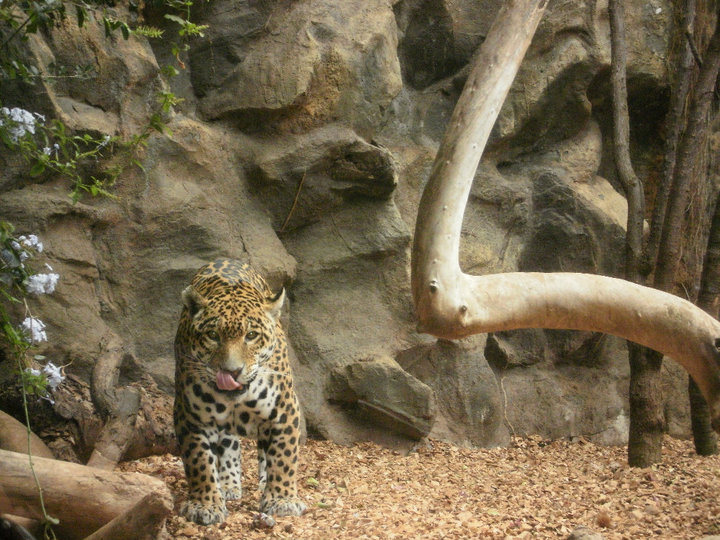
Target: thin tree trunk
(647,421)
(693,139)
(684,181)
(647,413)
(709,300)
(675,120)
(621,145)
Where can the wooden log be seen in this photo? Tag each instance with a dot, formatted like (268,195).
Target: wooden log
(143,521)
(19,528)
(82,498)
(14,437)
(118,405)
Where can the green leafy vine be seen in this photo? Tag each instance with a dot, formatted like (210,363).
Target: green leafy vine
(91,163)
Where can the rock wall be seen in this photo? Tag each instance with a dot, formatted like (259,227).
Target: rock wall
(305,137)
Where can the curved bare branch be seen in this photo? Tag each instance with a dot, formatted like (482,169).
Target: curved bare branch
(451,304)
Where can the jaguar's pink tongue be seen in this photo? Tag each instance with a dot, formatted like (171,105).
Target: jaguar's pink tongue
(225,381)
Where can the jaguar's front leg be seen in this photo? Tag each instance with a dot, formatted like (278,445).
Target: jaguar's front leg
(281,441)
(205,503)
(229,465)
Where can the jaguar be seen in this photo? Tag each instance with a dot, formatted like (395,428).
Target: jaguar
(233,379)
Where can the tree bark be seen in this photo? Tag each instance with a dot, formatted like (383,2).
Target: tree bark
(82,498)
(675,120)
(685,179)
(118,405)
(647,419)
(143,521)
(709,300)
(14,437)
(451,304)
(621,145)
(693,139)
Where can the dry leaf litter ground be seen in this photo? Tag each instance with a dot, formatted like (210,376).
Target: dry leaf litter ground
(532,489)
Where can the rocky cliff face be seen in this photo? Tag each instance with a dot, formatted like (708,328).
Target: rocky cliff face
(306,134)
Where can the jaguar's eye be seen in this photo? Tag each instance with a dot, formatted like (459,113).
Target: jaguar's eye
(212,334)
(252,334)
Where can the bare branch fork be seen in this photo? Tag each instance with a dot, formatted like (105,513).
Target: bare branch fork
(451,304)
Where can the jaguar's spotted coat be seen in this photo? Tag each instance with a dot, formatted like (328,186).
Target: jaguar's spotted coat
(233,379)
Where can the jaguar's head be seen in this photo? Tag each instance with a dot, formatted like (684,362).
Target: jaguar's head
(234,331)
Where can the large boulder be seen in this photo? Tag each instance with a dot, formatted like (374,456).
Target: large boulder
(469,399)
(380,391)
(297,65)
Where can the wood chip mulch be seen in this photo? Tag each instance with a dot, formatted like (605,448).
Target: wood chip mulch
(532,489)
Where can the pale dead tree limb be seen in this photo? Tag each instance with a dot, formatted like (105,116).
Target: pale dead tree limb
(14,437)
(451,304)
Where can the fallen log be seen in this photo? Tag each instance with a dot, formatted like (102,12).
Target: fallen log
(14,437)
(143,521)
(83,498)
(118,405)
(17,528)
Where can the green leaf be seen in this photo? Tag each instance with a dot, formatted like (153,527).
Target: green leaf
(81,15)
(175,18)
(170,71)
(37,169)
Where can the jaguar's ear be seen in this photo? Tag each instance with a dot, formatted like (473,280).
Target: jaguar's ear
(193,301)
(274,304)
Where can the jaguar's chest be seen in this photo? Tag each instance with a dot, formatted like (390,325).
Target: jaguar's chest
(210,406)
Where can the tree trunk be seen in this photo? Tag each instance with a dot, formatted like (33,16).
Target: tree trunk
(709,300)
(647,422)
(451,304)
(621,145)
(647,407)
(675,120)
(82,498)
(685,179)
(693,139)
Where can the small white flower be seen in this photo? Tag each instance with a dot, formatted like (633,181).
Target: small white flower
(54,375)
(42,283)
(49,151)
(104,142)
(35,329)
(15,246)
(31,241)
(22,122)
